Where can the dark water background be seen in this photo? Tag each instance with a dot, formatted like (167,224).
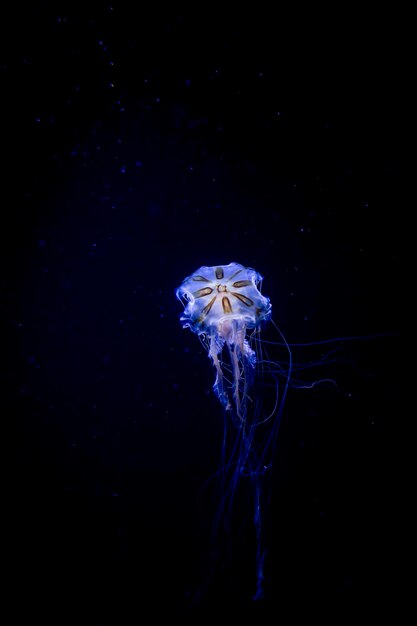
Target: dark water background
(138,147)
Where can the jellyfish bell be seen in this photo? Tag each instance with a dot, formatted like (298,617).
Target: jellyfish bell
(213,295)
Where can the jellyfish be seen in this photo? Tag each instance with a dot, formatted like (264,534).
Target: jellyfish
(224,306)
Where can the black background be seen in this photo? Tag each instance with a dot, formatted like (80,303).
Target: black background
(137,146)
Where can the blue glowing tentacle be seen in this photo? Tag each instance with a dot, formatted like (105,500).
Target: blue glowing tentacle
(216,346)
(260,551)
(240,409)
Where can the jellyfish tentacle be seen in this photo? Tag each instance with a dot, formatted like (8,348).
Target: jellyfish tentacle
(215,348)
(239,407)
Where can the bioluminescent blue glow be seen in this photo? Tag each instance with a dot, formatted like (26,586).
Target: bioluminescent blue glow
(224,306)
